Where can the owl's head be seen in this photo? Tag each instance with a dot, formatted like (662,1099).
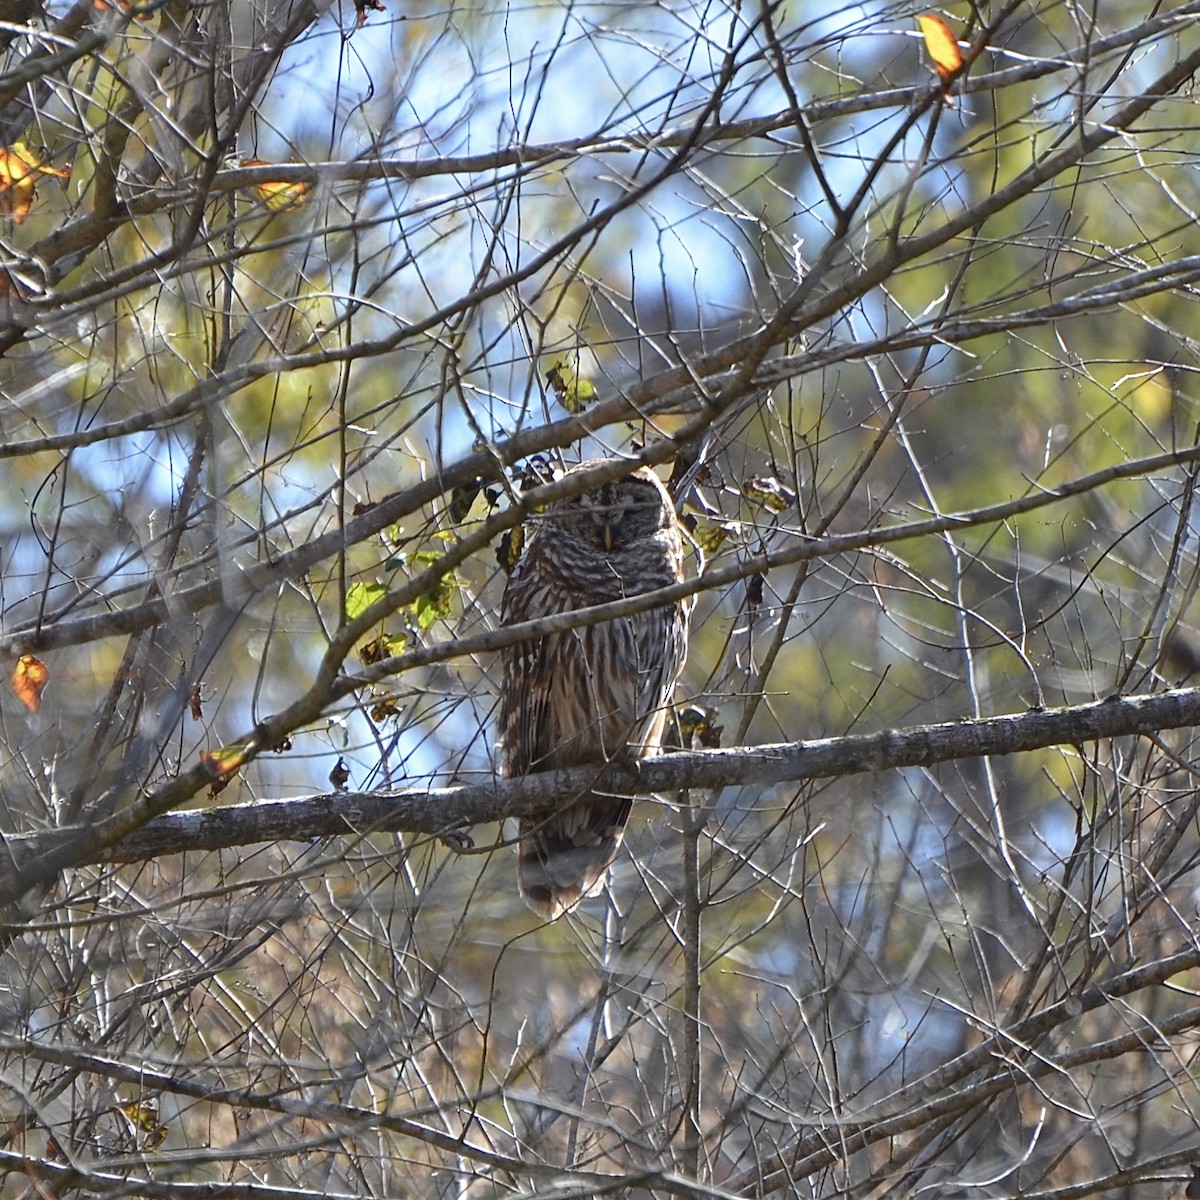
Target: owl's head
(613,516)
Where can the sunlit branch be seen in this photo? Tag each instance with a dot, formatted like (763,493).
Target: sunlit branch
(441,810)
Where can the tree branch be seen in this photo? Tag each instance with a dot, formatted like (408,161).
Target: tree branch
(434,811)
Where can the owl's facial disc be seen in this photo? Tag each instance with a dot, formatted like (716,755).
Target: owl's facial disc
(613,516)
(608,513)
(619,513)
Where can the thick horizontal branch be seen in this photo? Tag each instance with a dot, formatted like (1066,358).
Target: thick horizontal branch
(438,811)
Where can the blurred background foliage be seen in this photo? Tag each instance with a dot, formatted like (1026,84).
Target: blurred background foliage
(880,983)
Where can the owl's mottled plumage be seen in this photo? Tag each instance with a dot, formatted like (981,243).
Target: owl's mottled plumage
(595,693)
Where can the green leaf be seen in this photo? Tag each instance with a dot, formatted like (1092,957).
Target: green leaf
(710,535)
(437,601)
(769,492)
(425,612)
(573,393)
(360,597)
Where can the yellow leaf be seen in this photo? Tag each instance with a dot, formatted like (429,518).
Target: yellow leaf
(19,167)
(769,492)
(276,195)
(574,393)
(29,677)
(941,44)
(222,762)
(34,163)
(711,535)
(143,1116)
(508,552)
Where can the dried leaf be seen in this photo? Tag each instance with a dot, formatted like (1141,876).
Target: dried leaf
(369,653)
(21,151)
(125,6)
(389,706)
(386,645)
(340,775)
(509,549)
(698,728)
(942,46)
(362,7)
(29,678)
(120,6)
(12,286)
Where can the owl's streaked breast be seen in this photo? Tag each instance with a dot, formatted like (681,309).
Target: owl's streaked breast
(593,693)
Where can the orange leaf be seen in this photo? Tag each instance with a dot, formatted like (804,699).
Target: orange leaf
(11,287)
(222,762)
(19,167)
(942,47)
(125,6)
(16,187)
(29,677)
(276,195)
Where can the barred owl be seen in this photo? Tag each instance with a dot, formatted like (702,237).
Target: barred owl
(593,693)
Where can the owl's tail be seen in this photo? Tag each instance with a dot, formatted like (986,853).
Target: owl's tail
(564,855)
